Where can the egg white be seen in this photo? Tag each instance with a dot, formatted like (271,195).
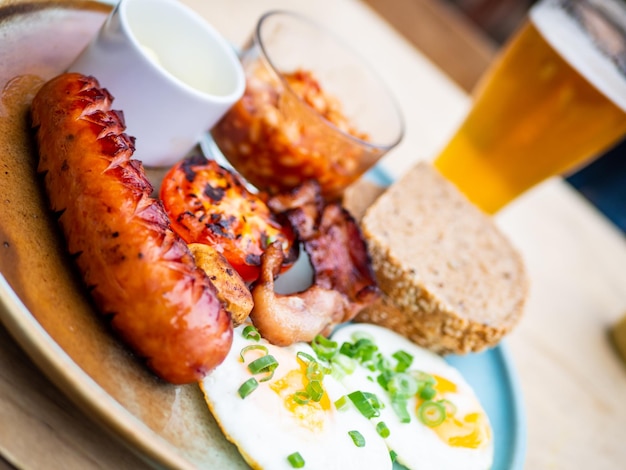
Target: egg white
(417,446)
(266,431)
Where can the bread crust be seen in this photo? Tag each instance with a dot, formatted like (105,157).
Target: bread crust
(451,280)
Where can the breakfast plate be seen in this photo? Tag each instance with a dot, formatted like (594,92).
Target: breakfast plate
(44,307)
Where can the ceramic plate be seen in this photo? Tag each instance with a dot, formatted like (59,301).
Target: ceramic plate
(45,308)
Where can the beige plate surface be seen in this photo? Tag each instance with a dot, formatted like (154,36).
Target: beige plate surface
(41,301)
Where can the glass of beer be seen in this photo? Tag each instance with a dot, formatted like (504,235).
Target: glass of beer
(553,99)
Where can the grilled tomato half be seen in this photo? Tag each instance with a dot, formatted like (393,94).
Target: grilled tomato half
(207,203)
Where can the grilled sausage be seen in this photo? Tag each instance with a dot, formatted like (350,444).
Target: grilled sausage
(138,271)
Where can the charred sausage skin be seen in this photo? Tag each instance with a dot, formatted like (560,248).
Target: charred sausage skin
(138,271)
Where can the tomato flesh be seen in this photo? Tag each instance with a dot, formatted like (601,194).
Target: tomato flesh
(207,203)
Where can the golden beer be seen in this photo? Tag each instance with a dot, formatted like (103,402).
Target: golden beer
(536,115)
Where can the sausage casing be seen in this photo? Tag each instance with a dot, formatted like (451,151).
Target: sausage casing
(139,272)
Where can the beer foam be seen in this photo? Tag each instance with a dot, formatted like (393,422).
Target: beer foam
(566,36)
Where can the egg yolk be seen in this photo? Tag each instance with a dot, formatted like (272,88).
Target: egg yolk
(444,385)
(471,431)
(312,414)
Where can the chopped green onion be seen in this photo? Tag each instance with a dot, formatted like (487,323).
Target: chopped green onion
(323,347)
(326,368)
(347,349)
(248,387)
(314,371)
(252,347)
(402,385)
(423,378)
(400,407)
(342,403)
(393,455)
(383,379)
(315,390)
(449,406)
(262,364)
(296,460)
(362,350)
(365,349)
(404,360)
(301,397)
(367,403)
(431,413)
(427,392)
(382,429)
(381,362)
(304,357)
(251,333)
(266,363)
(357,438)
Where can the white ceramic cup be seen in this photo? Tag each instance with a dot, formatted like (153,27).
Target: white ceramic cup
(170,72)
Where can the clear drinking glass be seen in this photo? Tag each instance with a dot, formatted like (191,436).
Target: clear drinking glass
(553,99)
(313,108)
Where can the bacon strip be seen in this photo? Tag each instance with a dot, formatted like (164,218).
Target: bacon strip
(343,279)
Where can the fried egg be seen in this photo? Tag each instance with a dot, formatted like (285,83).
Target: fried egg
(461,437)
(278,425)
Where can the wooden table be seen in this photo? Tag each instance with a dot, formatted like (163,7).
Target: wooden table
(573,383)
(442,32)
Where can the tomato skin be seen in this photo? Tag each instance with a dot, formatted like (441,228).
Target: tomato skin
(209,204)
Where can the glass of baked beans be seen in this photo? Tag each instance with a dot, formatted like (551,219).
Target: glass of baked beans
(312,109)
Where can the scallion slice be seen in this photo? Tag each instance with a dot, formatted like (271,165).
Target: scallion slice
(365,349)
(393,455)
(342,403)
(423,378)
(404,360)
(314,371)
(357,438)
(382,429)
(384,377)
(427,392)
(324,347)
(296,460)
(400,407)
(449,406)
(368,404)
(402,385)
(304,357)
(248,387)
(252,347)
(301,397)
(266,363)
(431,413)
(381,363)
(251,333)
(315,390)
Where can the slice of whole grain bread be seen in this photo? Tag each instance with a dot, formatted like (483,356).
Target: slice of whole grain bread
(452,281)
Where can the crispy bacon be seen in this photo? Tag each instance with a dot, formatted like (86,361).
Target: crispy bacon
(286,319)
(343,279)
